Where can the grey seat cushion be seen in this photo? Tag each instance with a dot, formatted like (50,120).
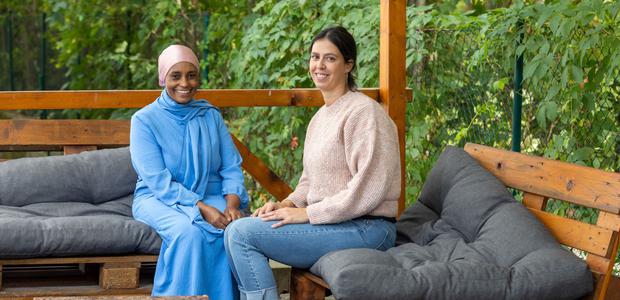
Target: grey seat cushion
(71,205)
(465,238)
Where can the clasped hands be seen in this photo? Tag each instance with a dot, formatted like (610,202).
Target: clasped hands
(285,212)
(218,219)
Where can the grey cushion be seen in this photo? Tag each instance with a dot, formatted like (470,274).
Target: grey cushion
(465,238)
(91,177)
(71,205)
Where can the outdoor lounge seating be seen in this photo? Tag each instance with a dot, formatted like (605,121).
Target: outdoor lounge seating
(72,205)
(467,238)
(73,209)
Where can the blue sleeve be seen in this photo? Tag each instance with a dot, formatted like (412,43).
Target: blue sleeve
(147,160)
(230,169)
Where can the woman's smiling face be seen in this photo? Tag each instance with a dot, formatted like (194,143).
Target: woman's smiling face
(327,66)
(182,82)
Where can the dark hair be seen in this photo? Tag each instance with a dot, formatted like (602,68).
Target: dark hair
(345,42)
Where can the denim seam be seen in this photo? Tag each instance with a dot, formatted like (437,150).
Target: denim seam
(246,251)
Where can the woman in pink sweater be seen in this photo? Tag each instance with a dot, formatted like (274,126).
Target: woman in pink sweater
(348,192)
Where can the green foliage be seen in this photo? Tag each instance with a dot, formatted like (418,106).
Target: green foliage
(114,45)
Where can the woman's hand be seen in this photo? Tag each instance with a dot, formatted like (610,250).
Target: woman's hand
(271,206)
(232,207)
(212,215)
(287,215)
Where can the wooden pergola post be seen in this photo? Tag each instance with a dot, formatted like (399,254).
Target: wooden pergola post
(392,76)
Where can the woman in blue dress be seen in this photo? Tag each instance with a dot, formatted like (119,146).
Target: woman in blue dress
(190,185)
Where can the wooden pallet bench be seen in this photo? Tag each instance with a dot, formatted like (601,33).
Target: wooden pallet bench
(542,179)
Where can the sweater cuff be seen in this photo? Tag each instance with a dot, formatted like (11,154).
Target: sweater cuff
(297,199)
(317,215)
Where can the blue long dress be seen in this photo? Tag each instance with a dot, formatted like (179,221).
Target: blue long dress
(183,153)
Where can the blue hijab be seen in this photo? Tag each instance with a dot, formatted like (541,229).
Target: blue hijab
(197,146)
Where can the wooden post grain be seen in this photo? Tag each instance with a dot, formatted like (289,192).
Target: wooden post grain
(392,76)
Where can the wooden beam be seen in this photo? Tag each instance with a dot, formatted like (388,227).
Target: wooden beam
(79,260)
(16,134)
(392,75)
(139,98)
(583,236)
(551,178)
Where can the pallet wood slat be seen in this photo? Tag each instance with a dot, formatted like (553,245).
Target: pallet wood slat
(598,264)
(554,179)
(590,238)
(119,275)
(608,220)
(79,260)
(68,291)
(534,201)
(45,134)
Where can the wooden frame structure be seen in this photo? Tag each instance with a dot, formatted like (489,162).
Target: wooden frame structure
(541,179)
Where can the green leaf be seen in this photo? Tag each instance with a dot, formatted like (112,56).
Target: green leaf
(541,116)
(552,92)
(551,110)
(582,154)
(577,73)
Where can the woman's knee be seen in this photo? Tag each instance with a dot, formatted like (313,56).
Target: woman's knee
(186,233)
(242,230)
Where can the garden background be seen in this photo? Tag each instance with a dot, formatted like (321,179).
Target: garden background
(460,65)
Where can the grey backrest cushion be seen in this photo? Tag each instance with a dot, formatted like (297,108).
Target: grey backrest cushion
(91,177)
(465,238)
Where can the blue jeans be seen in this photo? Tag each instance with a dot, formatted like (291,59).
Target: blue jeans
(250,243)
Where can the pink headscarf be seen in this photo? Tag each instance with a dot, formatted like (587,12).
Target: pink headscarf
(173,55)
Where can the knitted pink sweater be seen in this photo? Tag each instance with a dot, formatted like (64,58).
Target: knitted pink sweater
(351,164)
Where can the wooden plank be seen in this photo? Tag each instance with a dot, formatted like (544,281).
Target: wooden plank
(70,290)
(0,277)
(77,149)
(17,134)
(534,201)
(392,75)
(304,288)
(613,290)
(598,264)
(139,98)
(261,172)
(79,260)
(554,179)
(608,220)
(119,275)
(590,238)
(125,297)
